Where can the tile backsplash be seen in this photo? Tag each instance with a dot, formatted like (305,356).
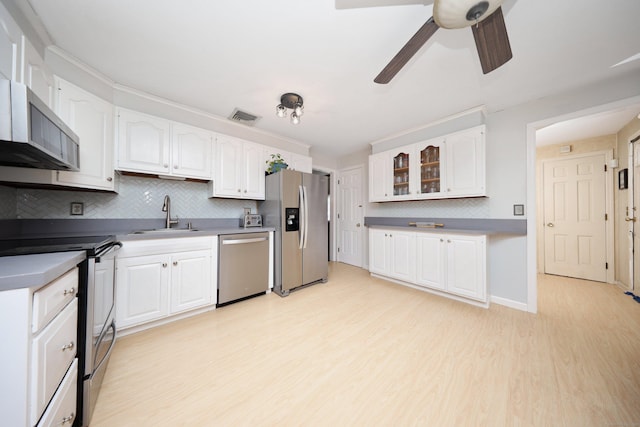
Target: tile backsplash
(7,202)
(441,208)
(137,198)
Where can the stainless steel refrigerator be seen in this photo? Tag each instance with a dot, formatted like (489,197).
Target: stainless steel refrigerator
(296,205)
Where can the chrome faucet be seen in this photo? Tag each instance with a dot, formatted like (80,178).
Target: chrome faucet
(166,207)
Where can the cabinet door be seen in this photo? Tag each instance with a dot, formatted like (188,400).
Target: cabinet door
(254,167)
(191,150)
(402,255)
(35,74)
(191,284)
(143,143)
(378,251)
(142,292)
(92,119)
(228,170)
(429,174)
(401,176)
(379,177)
(466,260)
(465,163)
(430,269)
(10,47)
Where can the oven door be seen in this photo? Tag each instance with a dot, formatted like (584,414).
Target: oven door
(100,325)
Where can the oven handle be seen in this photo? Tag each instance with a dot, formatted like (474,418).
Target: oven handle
(113,342)
(106,249)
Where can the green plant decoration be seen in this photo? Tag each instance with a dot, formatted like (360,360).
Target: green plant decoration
(275,164)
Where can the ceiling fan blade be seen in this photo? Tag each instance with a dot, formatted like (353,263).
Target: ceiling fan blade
(492,41)
(406,53)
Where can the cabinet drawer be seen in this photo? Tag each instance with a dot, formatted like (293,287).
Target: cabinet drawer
(53,350)
(62,409)
(50,299)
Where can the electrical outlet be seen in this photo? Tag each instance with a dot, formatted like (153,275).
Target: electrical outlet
(247,211)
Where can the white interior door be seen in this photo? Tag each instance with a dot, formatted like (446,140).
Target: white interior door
(350,216)
(574,217)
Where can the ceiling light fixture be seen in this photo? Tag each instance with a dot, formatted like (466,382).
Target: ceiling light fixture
(294,102)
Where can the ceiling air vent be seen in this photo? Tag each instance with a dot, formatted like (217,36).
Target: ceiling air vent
(243,117)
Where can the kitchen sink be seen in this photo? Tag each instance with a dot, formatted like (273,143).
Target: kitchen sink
(164,230)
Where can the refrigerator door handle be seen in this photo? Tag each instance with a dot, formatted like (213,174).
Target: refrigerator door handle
(306,217)
(301,217)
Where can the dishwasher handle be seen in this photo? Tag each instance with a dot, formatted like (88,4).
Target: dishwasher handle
(243,241)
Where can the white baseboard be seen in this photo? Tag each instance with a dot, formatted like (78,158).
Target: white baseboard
(509,303)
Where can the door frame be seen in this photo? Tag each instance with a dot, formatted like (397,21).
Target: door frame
(532,218)
(609,208)
(332,200)
(363,263)
(632,204)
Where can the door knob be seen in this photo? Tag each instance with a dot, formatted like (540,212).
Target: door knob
(630,219)
(550,224)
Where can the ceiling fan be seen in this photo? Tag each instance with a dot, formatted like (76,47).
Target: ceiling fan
(484,17)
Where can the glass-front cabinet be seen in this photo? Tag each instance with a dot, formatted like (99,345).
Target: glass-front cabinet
(401,175)
(430,168)
(452,165)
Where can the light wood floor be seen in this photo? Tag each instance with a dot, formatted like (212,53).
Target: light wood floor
(366,352)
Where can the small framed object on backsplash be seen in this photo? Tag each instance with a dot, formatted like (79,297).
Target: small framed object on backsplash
(77,208)
(623,182)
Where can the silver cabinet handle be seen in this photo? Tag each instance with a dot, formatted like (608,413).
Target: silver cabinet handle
(164,265)
(358,225)
(68,346)
(109,179)
(175,166)
(68,419)
(165,165)
(243,241)
(175,263)
(69,291)
(550,224)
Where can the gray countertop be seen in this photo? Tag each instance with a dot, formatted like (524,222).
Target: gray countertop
(189,233)
(488,226)
(25,271)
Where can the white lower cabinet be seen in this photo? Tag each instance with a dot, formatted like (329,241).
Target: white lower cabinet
(159,285)
(391,252)
(454,264)
(38,364)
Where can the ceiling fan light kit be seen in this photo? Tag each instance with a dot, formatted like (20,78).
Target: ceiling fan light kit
(489,32)
(291,101)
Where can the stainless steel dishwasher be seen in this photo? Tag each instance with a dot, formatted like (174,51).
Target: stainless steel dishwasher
(243,267)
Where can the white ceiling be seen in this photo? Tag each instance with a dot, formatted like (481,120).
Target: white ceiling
(222,54)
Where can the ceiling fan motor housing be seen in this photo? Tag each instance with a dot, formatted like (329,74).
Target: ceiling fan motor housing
(462,13)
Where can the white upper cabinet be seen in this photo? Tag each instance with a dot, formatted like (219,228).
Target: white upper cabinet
(449,166)
(10,47)
(92,119)
(239,169)
(35,73)
(465,163)
(191,150)
(143,143)
(379,177)
(149,144)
